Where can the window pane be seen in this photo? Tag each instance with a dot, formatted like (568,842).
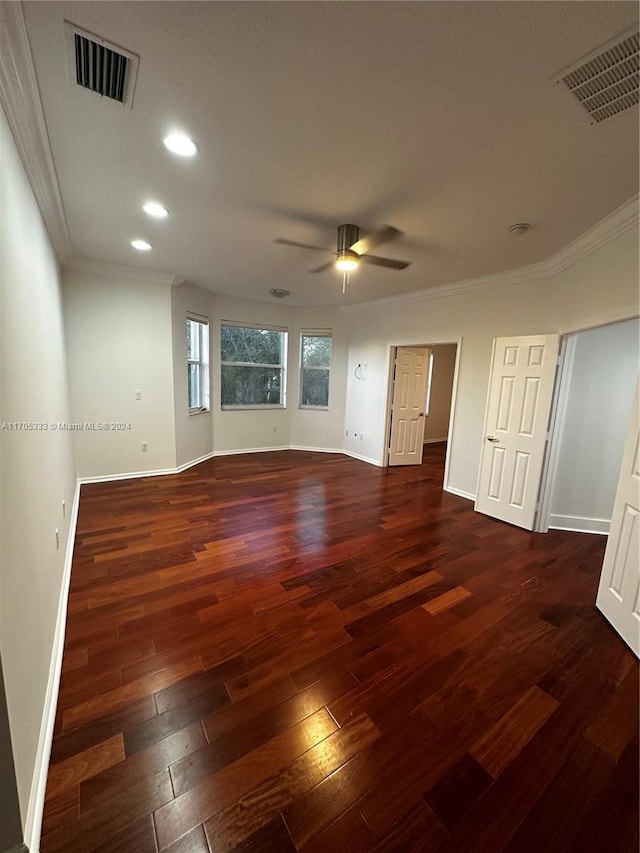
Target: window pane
(194,386)
(316,351)
(251,386)
(193,340)
(260,346)
(315,388)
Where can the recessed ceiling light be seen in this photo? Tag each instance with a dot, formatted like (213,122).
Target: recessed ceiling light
(141,245)
(156,210)
(180,144)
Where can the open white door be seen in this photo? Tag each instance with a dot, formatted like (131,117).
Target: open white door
(407,406)
(516,421)
(619,590)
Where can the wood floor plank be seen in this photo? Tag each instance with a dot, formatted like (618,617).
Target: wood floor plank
(226,787)
(274,652)
(194,841)
(455,792)
(75,769)
(258,806)
(140,765)
(500,744)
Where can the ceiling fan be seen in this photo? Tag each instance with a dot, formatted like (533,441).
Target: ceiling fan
(351,249)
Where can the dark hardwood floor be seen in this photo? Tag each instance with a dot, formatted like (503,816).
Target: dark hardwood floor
(295,651)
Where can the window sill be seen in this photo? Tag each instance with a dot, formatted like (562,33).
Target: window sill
(193,412)
(256,408)
(314,408)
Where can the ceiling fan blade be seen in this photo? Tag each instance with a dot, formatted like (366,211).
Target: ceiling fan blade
(300,245)
(385,262)
(323,267)
(383,235)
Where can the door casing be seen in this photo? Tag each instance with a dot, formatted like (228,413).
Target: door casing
(391,352)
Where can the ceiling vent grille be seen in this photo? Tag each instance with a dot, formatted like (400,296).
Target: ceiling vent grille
(100,69)
(98,66)
(607,83)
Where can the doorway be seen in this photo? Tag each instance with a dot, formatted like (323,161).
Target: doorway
(590,416)
(436,405)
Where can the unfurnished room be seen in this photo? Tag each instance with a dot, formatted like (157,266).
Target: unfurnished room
(319,426)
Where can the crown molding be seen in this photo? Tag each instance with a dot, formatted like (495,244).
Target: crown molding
(521,275)
(20,99)
(622,219)
(94,267)
(606,231)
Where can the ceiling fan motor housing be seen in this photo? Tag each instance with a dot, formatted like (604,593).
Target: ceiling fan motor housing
(347,236)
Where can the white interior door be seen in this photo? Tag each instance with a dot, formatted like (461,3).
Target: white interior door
(408,404)
(619,590)
(516,422)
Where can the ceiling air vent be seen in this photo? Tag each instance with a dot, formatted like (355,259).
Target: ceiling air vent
(606,82)
(100,67)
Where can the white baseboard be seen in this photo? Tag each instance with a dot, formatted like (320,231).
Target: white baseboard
(317,449)
(250,450)
(128,475)
(35,808)
(578,524)
(468,495)
(186,465)
(136,475)
(435,440)
(361,458)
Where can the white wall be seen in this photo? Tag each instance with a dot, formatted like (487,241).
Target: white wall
(37,470)
(436,427)
(311,428)
(602,384)
(601,287)
(194,433)
(270,428)
(476,318)
(119,342)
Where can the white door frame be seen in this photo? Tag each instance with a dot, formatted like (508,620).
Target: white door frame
(391,352)
(551,463)
(559,404)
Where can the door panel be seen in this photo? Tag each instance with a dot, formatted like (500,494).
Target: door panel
(407,407)
(619,590)
(520,391)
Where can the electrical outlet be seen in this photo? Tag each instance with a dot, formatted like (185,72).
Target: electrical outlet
(138,395)
(57,539)
(145,446)
(275,429)
(364,365)
(64,509)
(346,432)
(361,436)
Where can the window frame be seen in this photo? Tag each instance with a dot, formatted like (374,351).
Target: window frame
(203,362)
(282,367)
(314,333)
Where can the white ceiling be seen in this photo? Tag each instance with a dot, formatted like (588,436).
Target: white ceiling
(439,118)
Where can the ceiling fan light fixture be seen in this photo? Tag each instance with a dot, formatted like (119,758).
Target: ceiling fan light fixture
(347,261)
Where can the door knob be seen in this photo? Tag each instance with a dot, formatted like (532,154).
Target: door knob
(492,438)
(421,415)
